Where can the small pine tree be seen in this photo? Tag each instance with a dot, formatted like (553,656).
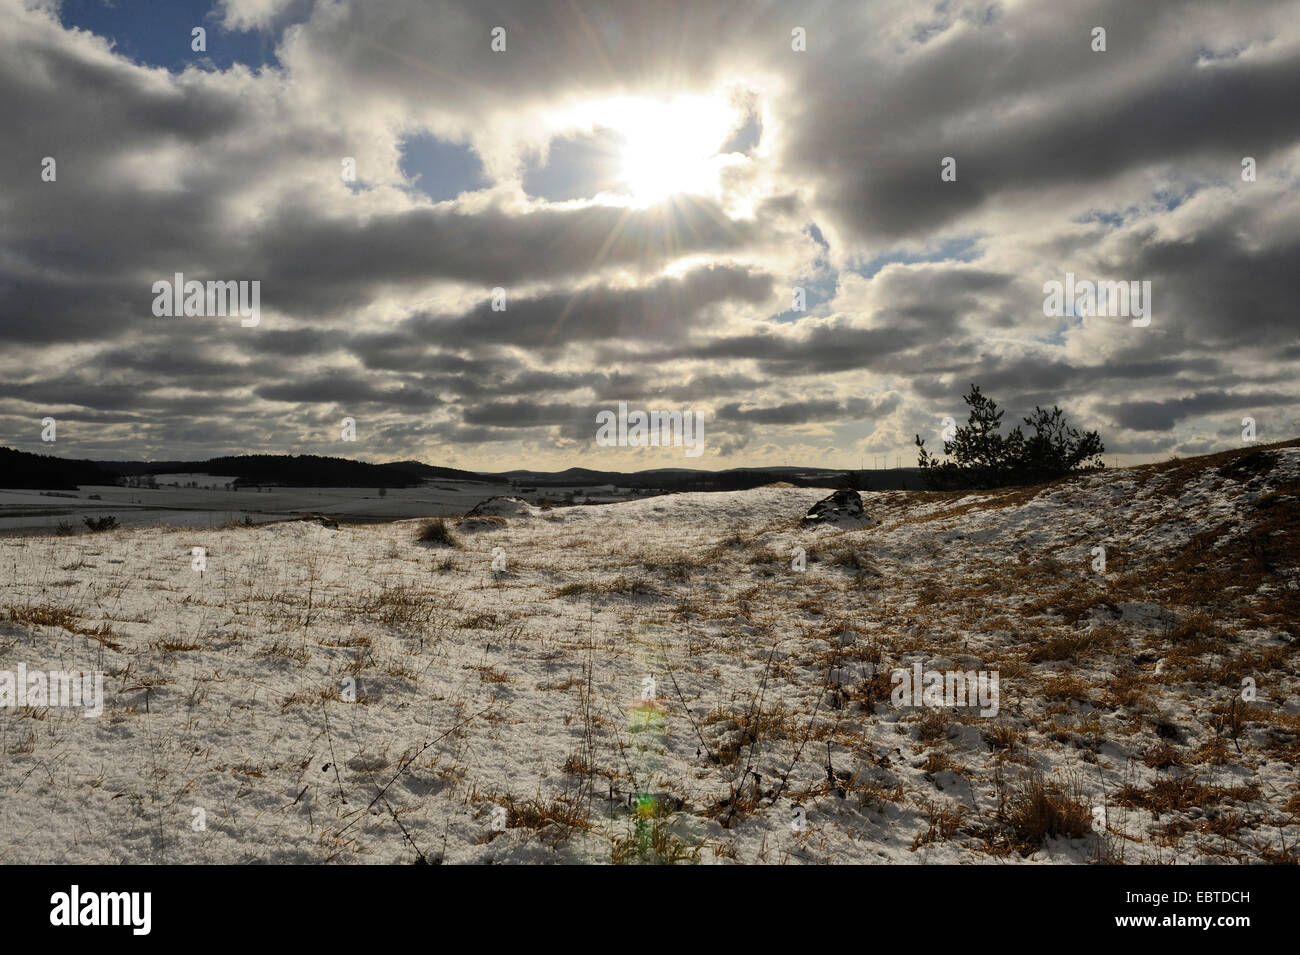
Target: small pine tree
(980,456)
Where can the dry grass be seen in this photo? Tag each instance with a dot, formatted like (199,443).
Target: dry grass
(64,618)
(1180,793)
(942,823)
(1042,807)
(437,533)
(407,609)
(626,586)
(553,819)
(650,840)
(1071,647)
(44,616)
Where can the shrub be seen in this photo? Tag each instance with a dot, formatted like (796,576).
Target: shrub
(97,524)
(980,456)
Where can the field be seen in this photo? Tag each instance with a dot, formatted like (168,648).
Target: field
(30,511)
(658,681)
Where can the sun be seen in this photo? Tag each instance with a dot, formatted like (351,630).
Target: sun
(672,147)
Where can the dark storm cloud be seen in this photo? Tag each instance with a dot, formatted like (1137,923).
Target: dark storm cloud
(336,388)
(1223,287)
(521,414)
(1080,118)
(825,349)
(1163,415)
(667,309)
(1024,375)
(706,386)
(804,412)
(311,263)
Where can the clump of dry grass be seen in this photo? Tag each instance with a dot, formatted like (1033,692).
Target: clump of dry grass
(295,653)
(1126,688)
(942,823)
(1071,646)
(849,557)
(37,616)
(179,645)
(874,795)
(1066,686)
(1179,793)
(404,608)
(1161,756)
(677,566)
(64,617)
(650,840)
(933,726)
(1196,625)
(575,764)
(1042,807)
(1002,737)
(556,818)
(627,586)
(437,533)
(738,729)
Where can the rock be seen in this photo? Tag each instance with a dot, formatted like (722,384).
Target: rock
(841,509)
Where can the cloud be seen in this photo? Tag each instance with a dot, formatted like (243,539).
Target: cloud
(479,171)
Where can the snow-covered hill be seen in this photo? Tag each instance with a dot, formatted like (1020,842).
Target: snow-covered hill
(660,681)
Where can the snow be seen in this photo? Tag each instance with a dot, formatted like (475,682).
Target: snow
(199,507)
(504,507)
(525,688)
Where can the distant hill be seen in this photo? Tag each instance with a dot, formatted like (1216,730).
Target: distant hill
(732,479)
(446,474)
(22,469)
(311,470)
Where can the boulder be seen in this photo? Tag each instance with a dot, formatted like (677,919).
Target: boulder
(841,509)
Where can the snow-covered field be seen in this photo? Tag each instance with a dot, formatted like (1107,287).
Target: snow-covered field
(30,510)
(656,681)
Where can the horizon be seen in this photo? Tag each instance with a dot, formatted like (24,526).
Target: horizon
(573,467)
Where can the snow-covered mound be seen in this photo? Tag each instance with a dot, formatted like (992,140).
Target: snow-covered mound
(695,672)
(501,506)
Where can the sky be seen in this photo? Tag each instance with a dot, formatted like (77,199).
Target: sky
(476,225)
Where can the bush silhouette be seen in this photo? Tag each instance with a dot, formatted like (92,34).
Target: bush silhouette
(980,456)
